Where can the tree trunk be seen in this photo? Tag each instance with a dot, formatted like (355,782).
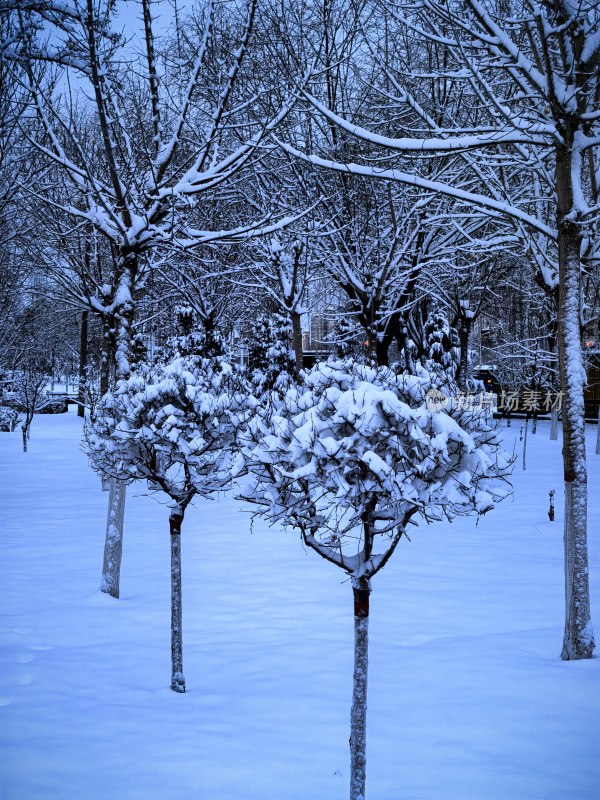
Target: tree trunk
(358,715)
(463,367)
(123,321)
(525,444)
(113,545)
(83,357)
(106,357)
(24,429)
(554,425)
(382,346)
(578,636)
(297,338)
(177,679)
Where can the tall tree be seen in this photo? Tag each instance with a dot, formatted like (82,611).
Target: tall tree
(163,139)
(528,78)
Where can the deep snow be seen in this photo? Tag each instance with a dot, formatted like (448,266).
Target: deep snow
(468,698)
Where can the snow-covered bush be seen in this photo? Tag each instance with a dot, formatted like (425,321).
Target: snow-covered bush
(9,417)
(169,424)
(352,455)
(195,337)
(441,344)
(355,442)
(174,426)
(53,405)
(271,364)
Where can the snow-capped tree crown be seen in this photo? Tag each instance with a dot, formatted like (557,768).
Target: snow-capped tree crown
(354,444)
(172,424)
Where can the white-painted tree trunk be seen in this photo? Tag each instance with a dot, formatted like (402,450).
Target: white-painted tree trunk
(358,715)
(113,545)
(554,425)
(177,678)
(578,639)
(123,320)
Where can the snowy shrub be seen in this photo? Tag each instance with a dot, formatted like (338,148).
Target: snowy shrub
(355,442)
(169,424)
(271,364)
(9,417)
(53,405)
(195,337)
(441,344)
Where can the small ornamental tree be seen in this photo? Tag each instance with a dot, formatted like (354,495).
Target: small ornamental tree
(441,345)
(172,425)
(348,458)
(29,382)
(194,338)
(272,365)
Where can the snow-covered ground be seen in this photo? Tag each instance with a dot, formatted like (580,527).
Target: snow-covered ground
(468,698)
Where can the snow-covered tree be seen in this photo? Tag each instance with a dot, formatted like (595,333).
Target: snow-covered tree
(159,132)
(271,362)
(523,139)
(29,382)
(440,344)
(172,425)
(349,458)
(193,338)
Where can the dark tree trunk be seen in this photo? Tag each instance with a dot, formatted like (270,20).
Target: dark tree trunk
(177,678)
(463,367)
(382,346)
(297,338)
(83,358)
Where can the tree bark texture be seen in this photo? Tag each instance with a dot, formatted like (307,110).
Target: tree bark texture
(113,545)
(358,715)
(177,678)
(297,338)
(463,367)
(106,357)
(578,639)
(83,358)
(123,320)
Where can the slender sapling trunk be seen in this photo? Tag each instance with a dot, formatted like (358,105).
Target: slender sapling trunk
(177,678)
(358,715)
(113,545)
